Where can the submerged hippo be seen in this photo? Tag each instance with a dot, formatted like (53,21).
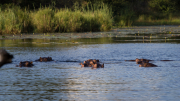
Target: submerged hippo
(139,61)
(25,64)
(5,57)
(145,64)
(44,59)
(92,63)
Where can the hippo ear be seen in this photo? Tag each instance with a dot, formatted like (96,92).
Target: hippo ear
(102,65)
(31,62)
(40,58)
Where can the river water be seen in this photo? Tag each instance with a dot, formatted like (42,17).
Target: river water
(64,79)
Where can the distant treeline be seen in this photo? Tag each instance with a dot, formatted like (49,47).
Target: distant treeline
(119,7)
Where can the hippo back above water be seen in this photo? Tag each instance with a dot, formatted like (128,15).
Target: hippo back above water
(25,64)
(92,63)
(145,64)
(139,61)
(44,59)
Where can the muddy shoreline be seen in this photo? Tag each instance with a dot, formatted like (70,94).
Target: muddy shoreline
(116,32)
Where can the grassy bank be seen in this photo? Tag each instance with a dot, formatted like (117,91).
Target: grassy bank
(162,19)
(92,17)
(15,20)
(146,21)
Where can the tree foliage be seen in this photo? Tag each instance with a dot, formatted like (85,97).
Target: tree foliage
(124,11)
(118,6)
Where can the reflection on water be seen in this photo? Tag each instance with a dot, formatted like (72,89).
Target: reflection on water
(109,38)
(119,80)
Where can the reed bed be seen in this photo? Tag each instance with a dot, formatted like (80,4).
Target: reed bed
(43,20)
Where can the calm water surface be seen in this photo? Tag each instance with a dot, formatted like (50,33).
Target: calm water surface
(64,79)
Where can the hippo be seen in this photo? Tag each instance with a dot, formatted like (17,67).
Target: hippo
(44,59)
(166,60)
(92,63)
(97,65)
(25,64)
(5,57)
(146,64)
(139,61)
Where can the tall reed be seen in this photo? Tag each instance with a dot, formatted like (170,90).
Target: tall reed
(43,20)
(14,20)
(68,21)
(9,22)
(91,18)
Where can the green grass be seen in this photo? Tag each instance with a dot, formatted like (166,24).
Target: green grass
(92,17)
(81,19)
(150,20)
(14,20)
(43,20)
(9,22)
(68,21)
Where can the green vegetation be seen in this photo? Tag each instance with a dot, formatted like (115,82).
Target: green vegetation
(43,20)
(9,21)
(48,19)
(148,20)
(14,20)
(22,16)
(98,18)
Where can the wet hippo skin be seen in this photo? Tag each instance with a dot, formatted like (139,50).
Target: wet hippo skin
(44,59)
(145,64)
(5,57)
(25,64)
(92,63)
(139,61)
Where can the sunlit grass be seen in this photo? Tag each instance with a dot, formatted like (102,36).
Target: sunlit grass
(86,18)
(43,20)
(98,18)
(14,20)
(92,17)
(9,22)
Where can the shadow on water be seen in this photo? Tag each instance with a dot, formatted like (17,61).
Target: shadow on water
(64,79)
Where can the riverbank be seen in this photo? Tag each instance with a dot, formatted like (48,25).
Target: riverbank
(15,20)
(116,32)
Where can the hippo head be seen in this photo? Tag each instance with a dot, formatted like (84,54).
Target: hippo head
(5,57)
(138,61)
